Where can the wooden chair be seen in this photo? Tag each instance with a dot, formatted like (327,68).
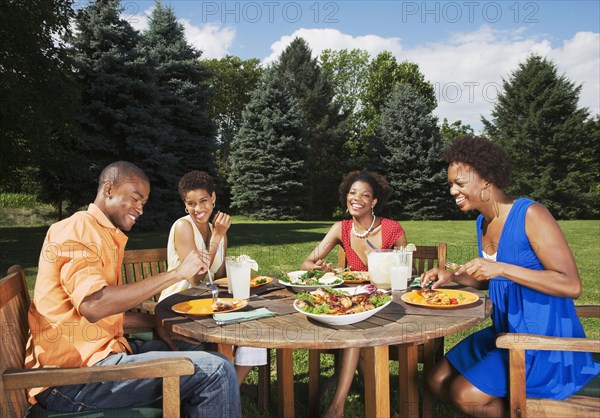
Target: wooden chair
(14,379)
(424,258)
(581,404)
(139,264)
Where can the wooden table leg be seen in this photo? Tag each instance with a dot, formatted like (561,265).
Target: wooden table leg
(377,381)
(429,360)
(408,385)
(285,382)
(264,384)
(314,376)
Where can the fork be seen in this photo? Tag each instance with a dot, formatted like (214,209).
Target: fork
(452,266)
(214,290)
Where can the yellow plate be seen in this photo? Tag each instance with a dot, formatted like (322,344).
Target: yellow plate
(360,277)
(415,298)
(203,306)
(253,281)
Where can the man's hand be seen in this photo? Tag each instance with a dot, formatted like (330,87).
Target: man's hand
(194,265)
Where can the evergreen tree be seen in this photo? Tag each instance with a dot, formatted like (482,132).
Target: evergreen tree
(453,130)
(120,116)
(553,150)
(411,145)
(182,83)
(268,169)
(38,97)
(382,74)
(324,124)
(231,81)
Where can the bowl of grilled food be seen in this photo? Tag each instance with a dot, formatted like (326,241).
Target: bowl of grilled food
(342,306)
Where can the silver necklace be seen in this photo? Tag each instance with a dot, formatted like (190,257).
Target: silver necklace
(367,232)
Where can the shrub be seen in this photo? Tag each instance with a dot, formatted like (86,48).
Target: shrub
(18,200)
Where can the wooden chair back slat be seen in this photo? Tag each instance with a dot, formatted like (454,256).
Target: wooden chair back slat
(139,264)
(14,332)
(425,257)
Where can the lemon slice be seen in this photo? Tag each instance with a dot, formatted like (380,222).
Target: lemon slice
(244,259)
(410,247)
(247,259)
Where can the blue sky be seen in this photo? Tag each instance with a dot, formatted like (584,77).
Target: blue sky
(465,48)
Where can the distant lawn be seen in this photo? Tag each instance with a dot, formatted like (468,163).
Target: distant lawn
(282,246)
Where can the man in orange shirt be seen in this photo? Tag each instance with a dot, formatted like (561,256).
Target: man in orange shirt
(78,310)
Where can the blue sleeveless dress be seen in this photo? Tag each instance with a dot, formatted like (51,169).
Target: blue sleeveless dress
(554,375)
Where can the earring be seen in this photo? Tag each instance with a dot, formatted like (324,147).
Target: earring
(186,210)
(214,204)
(487,198)
(373,211)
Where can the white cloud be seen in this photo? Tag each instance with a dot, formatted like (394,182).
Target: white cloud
(467,69)
(212,39)
(320,39)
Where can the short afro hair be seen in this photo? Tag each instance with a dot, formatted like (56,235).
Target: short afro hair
(195,180)
(119,172)
(382,190)
(487,158)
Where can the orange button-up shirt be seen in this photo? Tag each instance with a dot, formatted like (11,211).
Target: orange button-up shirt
(80,256)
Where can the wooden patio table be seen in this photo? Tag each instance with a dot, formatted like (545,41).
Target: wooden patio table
(401,325)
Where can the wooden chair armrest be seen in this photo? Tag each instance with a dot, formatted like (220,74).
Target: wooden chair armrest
(517,341)
(32,378)
(588,311)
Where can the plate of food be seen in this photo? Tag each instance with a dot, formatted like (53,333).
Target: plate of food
(355,277)
(342,306)
(203,307)
(302,280)
(255,281)
(440,298)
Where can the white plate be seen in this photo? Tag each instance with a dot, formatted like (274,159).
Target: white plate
(343,319)
(336,281)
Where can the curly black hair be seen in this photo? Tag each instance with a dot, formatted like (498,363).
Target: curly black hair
(195,180)
(382,190)
(487,158)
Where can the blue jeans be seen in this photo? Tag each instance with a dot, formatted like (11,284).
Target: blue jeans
(212,391)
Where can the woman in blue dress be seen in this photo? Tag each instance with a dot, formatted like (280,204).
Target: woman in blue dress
(527,265)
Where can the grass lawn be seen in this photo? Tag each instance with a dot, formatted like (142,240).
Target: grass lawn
(282,246)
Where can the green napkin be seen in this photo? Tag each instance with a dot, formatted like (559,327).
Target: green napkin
(415,283)
(235,317)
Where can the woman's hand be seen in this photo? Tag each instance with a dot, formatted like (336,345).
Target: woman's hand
(438,276)
(482,269)
(322,265)
(221,223)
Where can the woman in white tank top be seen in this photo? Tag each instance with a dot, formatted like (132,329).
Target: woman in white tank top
(194,231)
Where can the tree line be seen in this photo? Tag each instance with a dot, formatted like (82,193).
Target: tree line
(278,138)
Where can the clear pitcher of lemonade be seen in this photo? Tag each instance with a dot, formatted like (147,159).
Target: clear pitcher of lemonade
(380,262)
(383,264)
